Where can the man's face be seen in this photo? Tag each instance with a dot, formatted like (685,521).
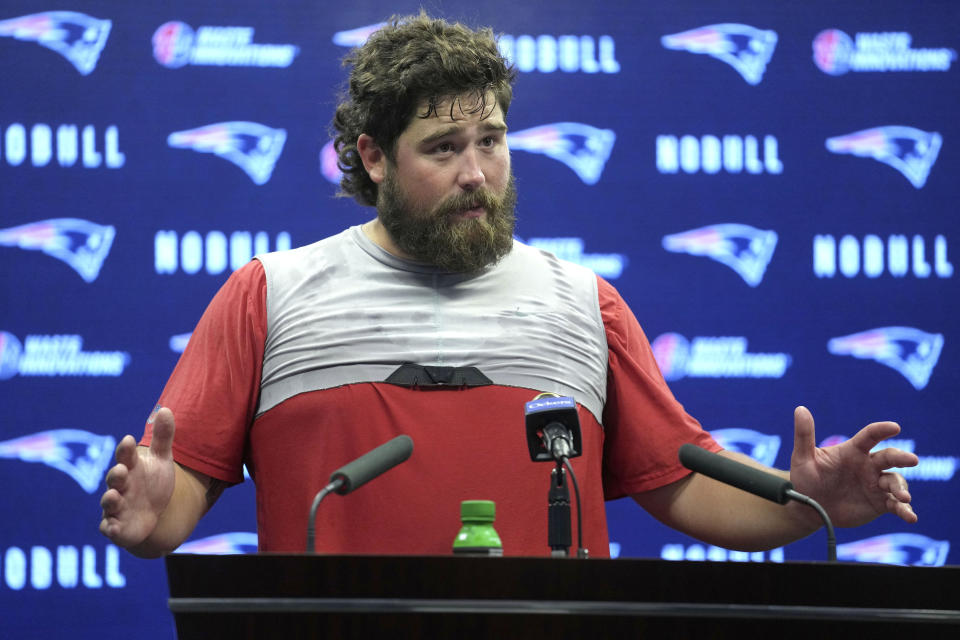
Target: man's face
(449,197)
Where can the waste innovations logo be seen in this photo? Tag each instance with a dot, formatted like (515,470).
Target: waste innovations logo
(76,36)
(910,151)
(745,48)
(932,468)
(57,356)
(836,53)
(583,148)
(605,265)
(251,146)
(176,44)
(528,53)
(69,144)
(715,357)
(872,256)
(213,252)
(82,455)
(745,249)
(82,244)
(712,154)
(911,352)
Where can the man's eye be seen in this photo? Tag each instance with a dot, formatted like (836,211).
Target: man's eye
(444,147)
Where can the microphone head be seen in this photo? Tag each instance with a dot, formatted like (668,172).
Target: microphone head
(755,481)
(371,464)
(545,410)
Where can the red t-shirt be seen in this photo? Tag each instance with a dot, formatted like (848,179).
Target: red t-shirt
(468,443)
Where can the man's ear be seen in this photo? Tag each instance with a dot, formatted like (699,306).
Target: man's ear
(373,157)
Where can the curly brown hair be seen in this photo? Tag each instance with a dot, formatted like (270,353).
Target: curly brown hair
(411,60)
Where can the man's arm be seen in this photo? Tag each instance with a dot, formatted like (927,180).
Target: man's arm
(725,516)
(152,504)
(849,481)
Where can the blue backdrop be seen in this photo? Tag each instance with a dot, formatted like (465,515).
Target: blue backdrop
(771,186)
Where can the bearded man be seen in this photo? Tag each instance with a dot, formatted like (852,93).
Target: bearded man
(430,320)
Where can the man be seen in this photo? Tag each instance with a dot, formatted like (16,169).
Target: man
(430,320)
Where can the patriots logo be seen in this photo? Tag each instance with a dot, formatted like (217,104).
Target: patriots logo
(77,37)
(356,37)
(910,549)
(82,244)
(912,352)
(745,48)
(741,247)
(760,446)
(222,544)
(251,146)
(583,148)
(82,455)
(910,151)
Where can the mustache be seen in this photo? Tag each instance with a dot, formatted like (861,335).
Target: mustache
(472,200)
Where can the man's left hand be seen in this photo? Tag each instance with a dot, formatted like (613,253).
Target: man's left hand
(850,480)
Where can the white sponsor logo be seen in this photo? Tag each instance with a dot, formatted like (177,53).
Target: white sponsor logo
(715,357)
(542,53)
(68,567)
(712,154)
(57,355)
(718,554)
(213,252)
(930,468)
(872,256)
(176,44)
(836,53)
(567,53)
(67,144)
(606,265)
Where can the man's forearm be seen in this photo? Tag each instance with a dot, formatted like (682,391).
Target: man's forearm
(726,516)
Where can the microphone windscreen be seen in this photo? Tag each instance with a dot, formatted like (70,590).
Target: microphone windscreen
(371,464)
(760,483)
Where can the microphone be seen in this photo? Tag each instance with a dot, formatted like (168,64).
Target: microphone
(553,428)
(752,480)
(354,475)
(553,434)
(760,483)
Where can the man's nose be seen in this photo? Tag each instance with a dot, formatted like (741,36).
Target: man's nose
(471,175)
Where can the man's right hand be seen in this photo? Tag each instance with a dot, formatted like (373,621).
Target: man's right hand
(140,485)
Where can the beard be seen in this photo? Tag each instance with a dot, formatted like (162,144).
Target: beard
(439,238)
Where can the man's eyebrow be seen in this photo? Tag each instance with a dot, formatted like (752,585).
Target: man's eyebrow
(453,129)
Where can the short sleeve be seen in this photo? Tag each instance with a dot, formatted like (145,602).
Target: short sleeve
(214,389)
(644,423)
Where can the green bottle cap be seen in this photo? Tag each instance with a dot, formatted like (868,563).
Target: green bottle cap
(478,510)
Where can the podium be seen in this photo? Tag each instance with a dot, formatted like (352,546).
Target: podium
(337,596)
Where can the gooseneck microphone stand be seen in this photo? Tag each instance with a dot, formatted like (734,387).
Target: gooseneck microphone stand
(559,536)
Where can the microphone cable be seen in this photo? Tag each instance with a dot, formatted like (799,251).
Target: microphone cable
(581,552)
